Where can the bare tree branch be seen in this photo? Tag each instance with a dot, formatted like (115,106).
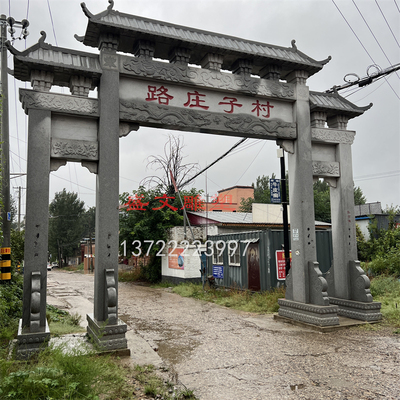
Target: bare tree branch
(171,160)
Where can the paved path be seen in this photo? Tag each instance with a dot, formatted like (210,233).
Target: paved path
(223,354)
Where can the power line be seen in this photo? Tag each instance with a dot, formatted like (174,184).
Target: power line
(355,34)
(387,23)
(372,33)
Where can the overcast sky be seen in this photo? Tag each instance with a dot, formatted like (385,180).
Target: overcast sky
(357,34)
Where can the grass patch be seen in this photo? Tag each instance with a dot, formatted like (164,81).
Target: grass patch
(132,275)
(62,322)
(55,375)
(74,268)
(386,290)
(156,387)
(244,300)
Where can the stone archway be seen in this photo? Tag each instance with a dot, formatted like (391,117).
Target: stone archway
(239,88)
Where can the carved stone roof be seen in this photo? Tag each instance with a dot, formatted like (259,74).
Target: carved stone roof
(166,36)
(334,104)
(61,62)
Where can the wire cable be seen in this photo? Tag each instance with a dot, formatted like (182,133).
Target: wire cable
(387,23)
(355,34)
(52,23)
(372,33)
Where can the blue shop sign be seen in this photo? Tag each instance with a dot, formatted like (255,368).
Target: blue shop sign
(218,271)
(275,189)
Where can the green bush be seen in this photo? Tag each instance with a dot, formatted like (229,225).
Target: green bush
(387,264)
(10,309)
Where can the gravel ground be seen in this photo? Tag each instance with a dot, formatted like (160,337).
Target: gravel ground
(224,354)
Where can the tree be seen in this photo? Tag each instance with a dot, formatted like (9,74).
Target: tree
(147,219)
(172,160)
(322,201)
(66,213)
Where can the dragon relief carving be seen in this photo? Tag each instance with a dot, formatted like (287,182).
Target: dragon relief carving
(207,78)
(186,118)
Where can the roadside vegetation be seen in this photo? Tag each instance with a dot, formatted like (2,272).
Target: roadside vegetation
(244,300)
(64,373)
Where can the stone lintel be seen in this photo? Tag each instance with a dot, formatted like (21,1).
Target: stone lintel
(107,337)
(29,343)
(334,136)
(169,117)
(57,102)
(309,313)
(358,310)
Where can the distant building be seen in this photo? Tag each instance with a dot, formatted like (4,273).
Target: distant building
(228,200)
(365,214)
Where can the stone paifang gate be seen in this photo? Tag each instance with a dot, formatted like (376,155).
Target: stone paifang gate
(231,87)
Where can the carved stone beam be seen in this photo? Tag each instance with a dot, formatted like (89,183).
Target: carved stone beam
(334,136)
(212,61)
(272,72)
(179,55)
(41,80)
(144,48)
(242,66)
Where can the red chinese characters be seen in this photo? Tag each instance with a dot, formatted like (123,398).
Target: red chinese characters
(196,99)
(221,203)
(194,203)
(259,108)
(164,202)
(232,101)
(161,95)
(135,203)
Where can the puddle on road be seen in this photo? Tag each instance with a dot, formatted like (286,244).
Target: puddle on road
(174,344)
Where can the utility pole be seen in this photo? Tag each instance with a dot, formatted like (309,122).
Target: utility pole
(5,273)
(281,155)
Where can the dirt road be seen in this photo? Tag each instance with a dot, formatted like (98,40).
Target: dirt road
(226,355)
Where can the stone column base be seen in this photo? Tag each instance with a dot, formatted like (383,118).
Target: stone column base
(107,337)
(30,343)
(309,313)
(357,309)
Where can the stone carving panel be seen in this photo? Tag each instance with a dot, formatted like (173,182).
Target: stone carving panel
(206,78)
(74,149)
(328,169)
(58,102)
(207,122)
(111,297)
(326,135)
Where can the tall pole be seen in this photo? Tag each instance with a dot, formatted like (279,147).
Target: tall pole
(5,272)
(285,213)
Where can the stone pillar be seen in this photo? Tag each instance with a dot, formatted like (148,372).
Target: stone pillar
(104,326)
(302,225)
(306,293)
(33,332)
(348,285)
